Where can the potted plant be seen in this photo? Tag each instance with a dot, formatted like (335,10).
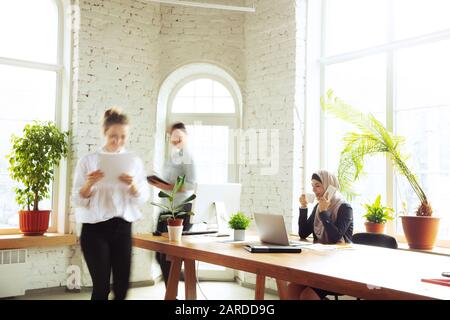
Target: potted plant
(373,138)
(377,216)
(32,161)
(239,222)
(175,211)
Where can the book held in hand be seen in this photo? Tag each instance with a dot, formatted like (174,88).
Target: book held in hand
(154,178)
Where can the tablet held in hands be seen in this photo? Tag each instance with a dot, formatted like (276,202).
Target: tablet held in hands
(113,165)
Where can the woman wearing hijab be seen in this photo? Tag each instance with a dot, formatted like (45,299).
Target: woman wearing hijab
(331,221)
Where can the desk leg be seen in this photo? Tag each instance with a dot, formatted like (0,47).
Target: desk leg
(174,278)
(282,289)
(190,280)
(260,286)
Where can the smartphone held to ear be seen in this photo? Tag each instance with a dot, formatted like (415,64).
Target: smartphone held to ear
(329,193)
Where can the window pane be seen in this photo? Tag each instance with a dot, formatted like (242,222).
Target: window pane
(417,17)
(423,117)
(223,105)
(203,96)
(423,75)
(355,24)
(362,84)
(203,87)
(188,90)
(427,132)
(209,144)
(183,105)
(203,104)
(29,30)
(25,95)
(220,90)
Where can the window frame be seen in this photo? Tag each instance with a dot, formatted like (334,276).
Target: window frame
(62,70)
(317,62)
(231,120)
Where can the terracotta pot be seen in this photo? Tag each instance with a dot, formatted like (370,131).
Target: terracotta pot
(174,222)
(374,227)
(420,232)
(34,223)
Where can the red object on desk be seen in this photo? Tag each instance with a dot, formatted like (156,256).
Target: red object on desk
(442,282)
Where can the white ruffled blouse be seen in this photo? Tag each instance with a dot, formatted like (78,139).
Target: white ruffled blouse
(112,200)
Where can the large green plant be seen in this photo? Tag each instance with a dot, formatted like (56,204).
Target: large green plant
(33,159)
(175,210)
(371,138)
(377,213)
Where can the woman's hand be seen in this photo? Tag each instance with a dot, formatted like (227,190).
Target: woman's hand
(324,204)
(303,202)
(128,180)
(92,179)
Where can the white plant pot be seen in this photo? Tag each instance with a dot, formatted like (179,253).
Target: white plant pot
(239,235)
(175,233)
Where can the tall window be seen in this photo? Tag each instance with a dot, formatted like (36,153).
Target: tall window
(208,106)
(391,58)
(30,67)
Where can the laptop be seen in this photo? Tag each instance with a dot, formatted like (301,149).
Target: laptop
(273,235)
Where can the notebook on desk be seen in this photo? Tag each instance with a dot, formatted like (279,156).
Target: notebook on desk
(442,282)
(271,249)
(197,232)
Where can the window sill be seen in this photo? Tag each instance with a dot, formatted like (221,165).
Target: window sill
(19,241)
(436,250)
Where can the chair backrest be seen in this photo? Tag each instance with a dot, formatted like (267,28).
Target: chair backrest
(375,239)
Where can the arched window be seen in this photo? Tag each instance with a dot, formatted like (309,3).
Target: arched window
(31,76)
(208,100)
(203,96)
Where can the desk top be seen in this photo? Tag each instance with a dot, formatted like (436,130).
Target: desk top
(362,271)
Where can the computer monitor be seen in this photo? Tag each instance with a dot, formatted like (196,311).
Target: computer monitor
(214,205)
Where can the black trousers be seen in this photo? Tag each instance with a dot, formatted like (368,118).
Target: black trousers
(162,227)
(106,247)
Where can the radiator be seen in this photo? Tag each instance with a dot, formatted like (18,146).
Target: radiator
(13,268)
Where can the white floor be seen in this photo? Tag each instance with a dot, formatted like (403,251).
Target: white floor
(211,291)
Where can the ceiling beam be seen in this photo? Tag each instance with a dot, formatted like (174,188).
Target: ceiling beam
(205,5)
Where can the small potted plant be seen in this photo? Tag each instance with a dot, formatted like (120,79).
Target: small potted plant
(32,161)
(174,211)
(239,222)
(377,216)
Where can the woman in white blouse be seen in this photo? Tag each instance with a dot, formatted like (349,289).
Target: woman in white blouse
(107,211)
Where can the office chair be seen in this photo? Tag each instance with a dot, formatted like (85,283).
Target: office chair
(375,239)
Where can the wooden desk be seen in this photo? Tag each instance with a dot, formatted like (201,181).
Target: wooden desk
(365,272)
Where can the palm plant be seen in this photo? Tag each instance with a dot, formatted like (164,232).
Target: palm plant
(370,139)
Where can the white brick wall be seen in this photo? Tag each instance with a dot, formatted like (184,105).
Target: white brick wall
(202,35)
(47,267)
(274,51)
(271,49)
